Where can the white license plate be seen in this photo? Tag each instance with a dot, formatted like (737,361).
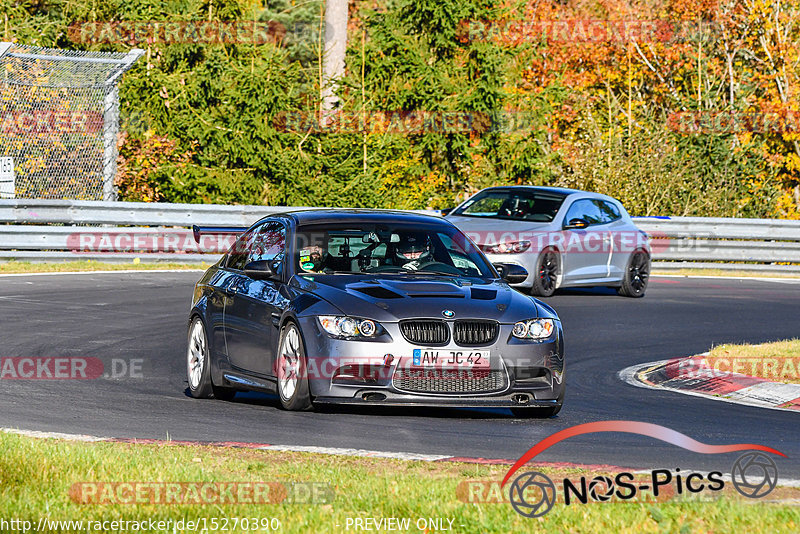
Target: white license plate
(445,358)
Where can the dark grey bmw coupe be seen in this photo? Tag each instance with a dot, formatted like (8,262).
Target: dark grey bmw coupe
(371,307)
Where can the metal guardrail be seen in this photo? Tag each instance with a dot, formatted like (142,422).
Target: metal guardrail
(721,228)
(61,230)
(698,242)
(74,230)
(88,212)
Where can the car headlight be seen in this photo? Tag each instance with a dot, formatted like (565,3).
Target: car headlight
(534,329)
(513,247)
(349,327)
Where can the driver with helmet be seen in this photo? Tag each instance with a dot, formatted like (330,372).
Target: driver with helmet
(413,251)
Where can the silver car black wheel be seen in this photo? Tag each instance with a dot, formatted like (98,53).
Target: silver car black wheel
(545,281)
(637,274)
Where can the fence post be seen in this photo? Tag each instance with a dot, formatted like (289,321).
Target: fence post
(111,126)
(110,131)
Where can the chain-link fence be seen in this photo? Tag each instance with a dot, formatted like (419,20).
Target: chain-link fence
(59,119)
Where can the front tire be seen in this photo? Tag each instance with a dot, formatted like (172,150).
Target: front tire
(198,366)
(293,389)
(637,274)
(545,280)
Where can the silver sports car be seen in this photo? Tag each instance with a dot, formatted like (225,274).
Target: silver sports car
(562,237)
(356,306)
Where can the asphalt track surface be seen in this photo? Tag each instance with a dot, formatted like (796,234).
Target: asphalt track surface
(143,316)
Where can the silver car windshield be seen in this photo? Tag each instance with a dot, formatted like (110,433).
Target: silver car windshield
(515,204)
(357,248)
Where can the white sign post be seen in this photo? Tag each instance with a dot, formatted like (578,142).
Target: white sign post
(7,182)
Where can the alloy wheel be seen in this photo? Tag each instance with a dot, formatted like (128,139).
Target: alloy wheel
(289,364)
(548,270)
(638,272)
(196,354)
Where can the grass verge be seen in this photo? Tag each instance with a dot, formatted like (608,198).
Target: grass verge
(722,272)
(36,477)
(13,267)
(778,361)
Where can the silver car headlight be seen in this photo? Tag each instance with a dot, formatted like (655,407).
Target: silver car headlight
(534,329)
(343,326)
(514,247)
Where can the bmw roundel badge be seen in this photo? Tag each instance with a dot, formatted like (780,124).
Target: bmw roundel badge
(449,314)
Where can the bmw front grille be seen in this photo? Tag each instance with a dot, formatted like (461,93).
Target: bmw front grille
(425,332)
(434,332)
(475,333)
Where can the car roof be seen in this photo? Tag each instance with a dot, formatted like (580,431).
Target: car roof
(563,190)
(334,215)
(558,190)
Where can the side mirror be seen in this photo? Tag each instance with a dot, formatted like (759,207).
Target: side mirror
(446,211)
(576,224)
(511,272)
(259,270)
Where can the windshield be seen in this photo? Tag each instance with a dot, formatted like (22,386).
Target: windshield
(515,204)
(377,248)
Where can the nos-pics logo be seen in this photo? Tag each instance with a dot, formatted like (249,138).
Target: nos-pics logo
(533,494)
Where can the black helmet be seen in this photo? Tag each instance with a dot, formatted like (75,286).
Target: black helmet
(413,246)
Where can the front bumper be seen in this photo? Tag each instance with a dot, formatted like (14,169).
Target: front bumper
(382,397)
(528,373)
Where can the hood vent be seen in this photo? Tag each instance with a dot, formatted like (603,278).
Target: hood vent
(483,294)
(378,292)
(436,295)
